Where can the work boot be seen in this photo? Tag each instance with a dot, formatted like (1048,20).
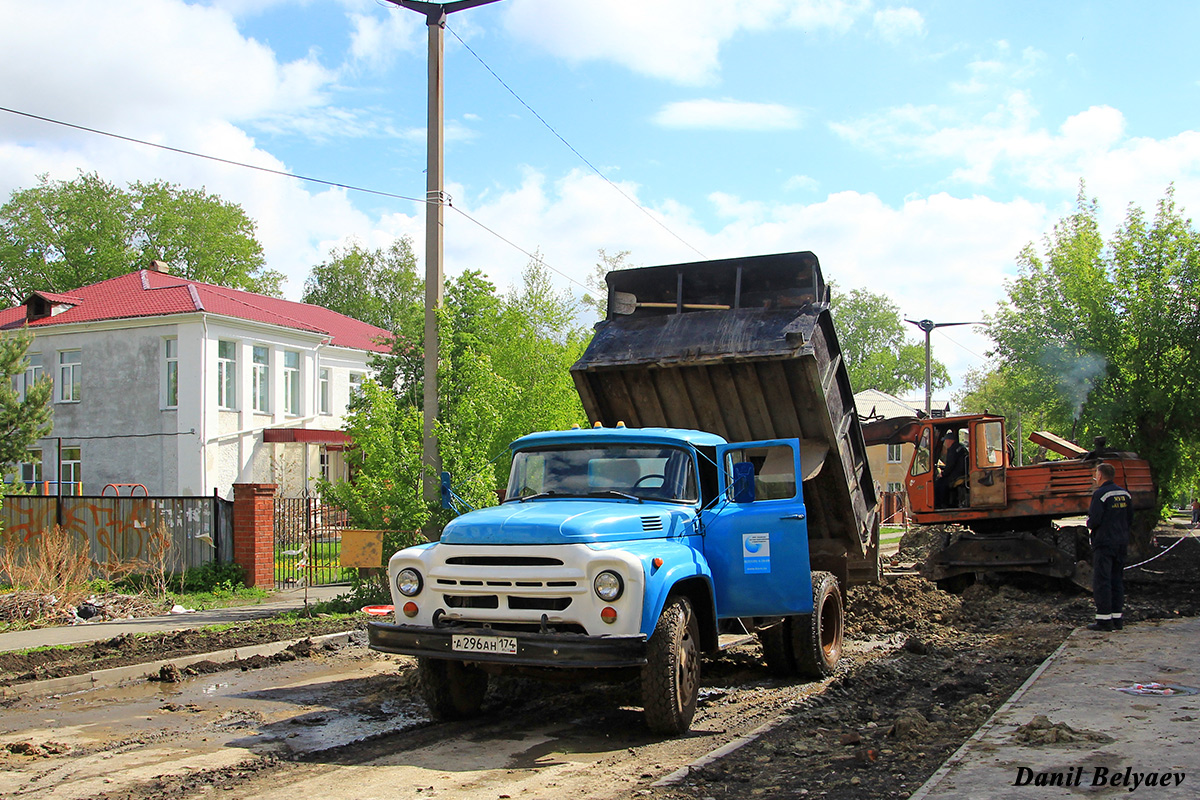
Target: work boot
(1101,625)
(1118,623)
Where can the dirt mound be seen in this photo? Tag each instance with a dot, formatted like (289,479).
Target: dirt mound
(920,539)
(902,604)
(1040,730)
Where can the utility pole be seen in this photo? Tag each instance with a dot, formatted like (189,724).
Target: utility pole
(928,325)
(435,205)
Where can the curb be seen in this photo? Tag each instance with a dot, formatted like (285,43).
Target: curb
(118,675)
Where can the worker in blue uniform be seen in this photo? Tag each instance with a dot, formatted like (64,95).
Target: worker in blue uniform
(1110,517)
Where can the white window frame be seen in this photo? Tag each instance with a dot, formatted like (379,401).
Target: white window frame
(895,454)
(71,468)
(70,376)
(170,397)
(356,382)
(29,471)
(227,377)
(895,487)
(22,382)
(260,385)
(291,382)
(324,380)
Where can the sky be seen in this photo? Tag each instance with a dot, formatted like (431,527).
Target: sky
(916,147)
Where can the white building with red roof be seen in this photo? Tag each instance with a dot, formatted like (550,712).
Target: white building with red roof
(188,388)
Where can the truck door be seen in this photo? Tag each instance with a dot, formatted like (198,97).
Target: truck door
(756,535)
(920,474)
(989,457)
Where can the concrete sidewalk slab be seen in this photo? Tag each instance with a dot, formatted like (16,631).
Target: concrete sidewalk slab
(290,600)
(1154,745)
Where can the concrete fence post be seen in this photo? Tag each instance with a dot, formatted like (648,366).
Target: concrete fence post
(254,532)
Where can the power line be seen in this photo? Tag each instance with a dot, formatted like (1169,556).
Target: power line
(281,173)
(571,147)
(211,158)
(533,256)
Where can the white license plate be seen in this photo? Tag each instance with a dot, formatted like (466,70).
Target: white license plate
(483,644)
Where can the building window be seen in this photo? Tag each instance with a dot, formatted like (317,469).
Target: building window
(262,379)
(356,381)
(893,454)
(324,463)
(291,382)
(171,373)
(31,468)
(227,375)
(895,487)
(323,390)
(24,381)
(70,376)
(71,477)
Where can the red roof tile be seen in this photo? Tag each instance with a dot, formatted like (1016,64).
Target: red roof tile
(146,293)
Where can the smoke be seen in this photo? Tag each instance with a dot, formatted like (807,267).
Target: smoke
(1077,374)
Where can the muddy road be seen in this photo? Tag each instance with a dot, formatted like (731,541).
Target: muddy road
(923,670)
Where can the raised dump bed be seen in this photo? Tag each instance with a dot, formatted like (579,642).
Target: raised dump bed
(744,348)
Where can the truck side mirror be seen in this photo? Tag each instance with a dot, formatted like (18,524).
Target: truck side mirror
(743,482)
(447,495)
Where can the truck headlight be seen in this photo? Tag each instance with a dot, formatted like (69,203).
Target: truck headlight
(608,586)
(408,582)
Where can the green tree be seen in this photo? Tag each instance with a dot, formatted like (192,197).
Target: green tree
(25,415)
(1106,337)
(875,345)
(385,464)
(380,287)
(60,235)
(504,365)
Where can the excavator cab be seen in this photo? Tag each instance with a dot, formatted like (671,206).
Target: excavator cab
(982,484)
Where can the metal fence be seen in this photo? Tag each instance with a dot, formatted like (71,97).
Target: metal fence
(308,540)
(172,533)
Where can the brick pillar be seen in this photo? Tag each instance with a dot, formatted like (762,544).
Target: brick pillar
(254,532)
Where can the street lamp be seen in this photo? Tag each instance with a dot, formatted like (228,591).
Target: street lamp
(435,203)
(928,325)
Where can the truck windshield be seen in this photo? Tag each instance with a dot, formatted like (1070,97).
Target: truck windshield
(644,473)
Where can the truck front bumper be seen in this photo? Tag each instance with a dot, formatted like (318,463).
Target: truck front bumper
(568,650)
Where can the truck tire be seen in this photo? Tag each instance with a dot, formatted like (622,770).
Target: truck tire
(671,677)
(817,637)
(451,689)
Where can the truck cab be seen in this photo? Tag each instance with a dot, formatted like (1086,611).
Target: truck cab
(617,549)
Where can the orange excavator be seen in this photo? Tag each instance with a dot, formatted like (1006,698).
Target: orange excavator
(1009,511)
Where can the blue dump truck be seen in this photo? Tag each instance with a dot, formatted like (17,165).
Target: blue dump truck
(722,491)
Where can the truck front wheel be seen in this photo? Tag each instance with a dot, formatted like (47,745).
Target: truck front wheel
(451,689)
(817,637)
(671,677)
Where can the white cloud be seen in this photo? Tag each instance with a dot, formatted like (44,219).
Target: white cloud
(934,255)
(1010,143)
(896,25)
(676,40)
(376,41)
(728,115)
(801,183)
(139,83)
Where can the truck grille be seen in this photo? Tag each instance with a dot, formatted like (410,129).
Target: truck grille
(504,561)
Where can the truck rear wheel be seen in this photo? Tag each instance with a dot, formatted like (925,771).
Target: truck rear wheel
(451,689)
(671,677)
(817,638)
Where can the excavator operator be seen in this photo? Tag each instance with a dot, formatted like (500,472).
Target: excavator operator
(952,470)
